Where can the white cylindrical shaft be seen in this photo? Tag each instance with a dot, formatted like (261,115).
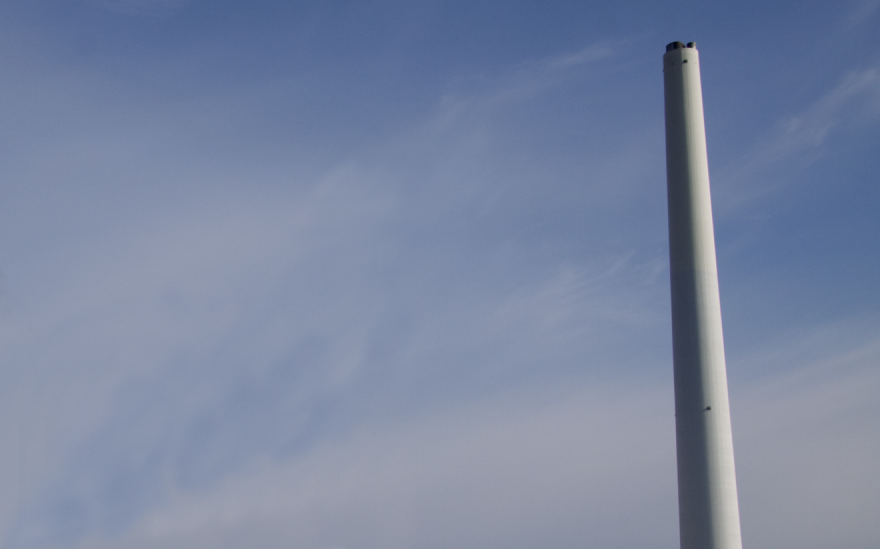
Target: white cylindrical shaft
(707,499)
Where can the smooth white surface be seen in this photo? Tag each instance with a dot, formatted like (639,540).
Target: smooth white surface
(708,507)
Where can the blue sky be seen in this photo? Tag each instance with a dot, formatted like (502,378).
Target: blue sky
(351,275)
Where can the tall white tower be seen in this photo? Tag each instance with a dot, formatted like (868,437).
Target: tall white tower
(707,500)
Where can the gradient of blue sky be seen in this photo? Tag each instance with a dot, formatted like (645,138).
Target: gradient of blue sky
(393,274)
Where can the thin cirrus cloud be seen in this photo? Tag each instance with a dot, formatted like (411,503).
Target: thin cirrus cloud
(256,321)
(798,138)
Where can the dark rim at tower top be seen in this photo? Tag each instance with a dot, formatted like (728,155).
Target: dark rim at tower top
(680,46)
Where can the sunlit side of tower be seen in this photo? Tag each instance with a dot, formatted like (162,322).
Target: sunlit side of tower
(707,498)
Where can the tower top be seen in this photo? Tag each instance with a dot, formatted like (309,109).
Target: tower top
(679,46)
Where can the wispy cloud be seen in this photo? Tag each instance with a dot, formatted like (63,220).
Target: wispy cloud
(529,78)
(586,55)
(857,96)
(859,15)
(253,326)
(798,140)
